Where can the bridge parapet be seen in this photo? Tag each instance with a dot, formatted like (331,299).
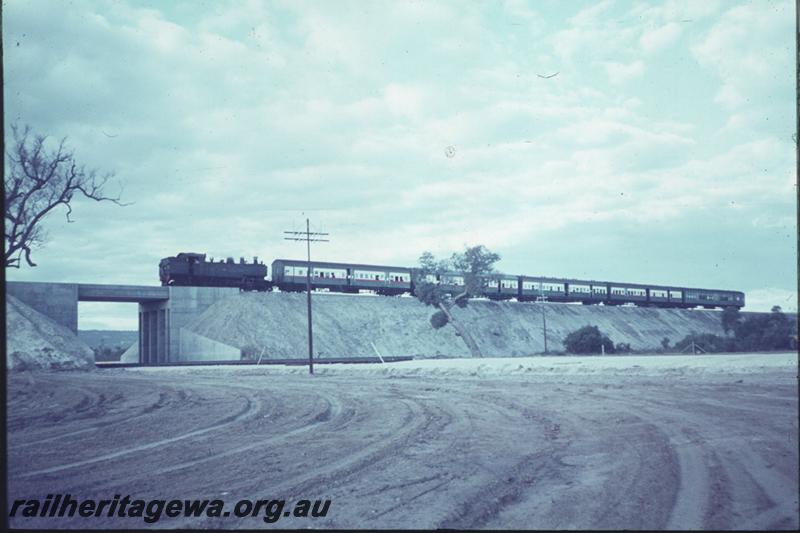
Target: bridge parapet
(121,293)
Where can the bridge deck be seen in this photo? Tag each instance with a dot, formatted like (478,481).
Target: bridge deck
(121,293)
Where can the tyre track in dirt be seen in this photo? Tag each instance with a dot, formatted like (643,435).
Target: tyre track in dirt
(721,477)
(332,413)
(757,488)
(116,461)
(415,422)
(695,463)
(62,409)
(251,407)
(545,483)
(165,400)
(425,452)
(447,423)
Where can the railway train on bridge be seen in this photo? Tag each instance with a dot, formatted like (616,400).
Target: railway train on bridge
(192,269)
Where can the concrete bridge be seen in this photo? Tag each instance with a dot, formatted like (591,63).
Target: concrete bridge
(163,311)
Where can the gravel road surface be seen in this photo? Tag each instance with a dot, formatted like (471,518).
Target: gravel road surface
(413,451)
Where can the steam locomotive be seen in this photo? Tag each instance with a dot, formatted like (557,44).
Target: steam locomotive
(192,269)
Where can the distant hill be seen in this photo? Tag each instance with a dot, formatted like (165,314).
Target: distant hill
(98,338)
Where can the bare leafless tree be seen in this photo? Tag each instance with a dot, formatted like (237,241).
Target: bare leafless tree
(37,181)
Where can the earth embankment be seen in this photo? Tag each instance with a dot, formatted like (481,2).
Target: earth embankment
(360,325)
(34,341)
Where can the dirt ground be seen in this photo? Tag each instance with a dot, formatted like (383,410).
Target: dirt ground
(539,451)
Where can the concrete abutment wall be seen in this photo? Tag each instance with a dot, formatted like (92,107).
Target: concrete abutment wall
(186,304)
(163,311)
(57,301)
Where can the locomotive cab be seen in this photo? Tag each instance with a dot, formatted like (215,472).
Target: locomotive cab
(192,269)
(179,269)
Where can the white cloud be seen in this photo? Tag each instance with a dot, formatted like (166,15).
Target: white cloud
(519,9)
(682,11)
(690,10)
(619,73)
(404,100)
(764,299)
(660,38)
(742,49)
(590,15)
(225,125)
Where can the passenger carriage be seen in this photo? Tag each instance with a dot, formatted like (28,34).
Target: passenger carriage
(501,287)
(388,280)
(622,293)
(193,269)
(533,288)
(343,277)
(713,298)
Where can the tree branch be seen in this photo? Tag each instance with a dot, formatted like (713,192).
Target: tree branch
(36,183)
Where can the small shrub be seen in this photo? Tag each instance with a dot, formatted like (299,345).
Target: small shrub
(108,353)
(622,347)
(439,319)
(250,351)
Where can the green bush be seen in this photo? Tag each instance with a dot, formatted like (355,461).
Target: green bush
(765,332)
(760,332)
(439,319)
(588,339)
(428,293)
(731,318)
(250,351)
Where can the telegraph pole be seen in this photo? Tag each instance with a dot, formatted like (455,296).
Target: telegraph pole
(544,320)
(307,237)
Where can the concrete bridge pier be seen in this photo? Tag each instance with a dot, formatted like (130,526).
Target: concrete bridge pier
(153,333)
(163,311)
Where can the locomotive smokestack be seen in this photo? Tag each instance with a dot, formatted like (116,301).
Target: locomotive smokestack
(255,259)
(241,260)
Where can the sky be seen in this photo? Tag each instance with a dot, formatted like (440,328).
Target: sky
(648,142)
